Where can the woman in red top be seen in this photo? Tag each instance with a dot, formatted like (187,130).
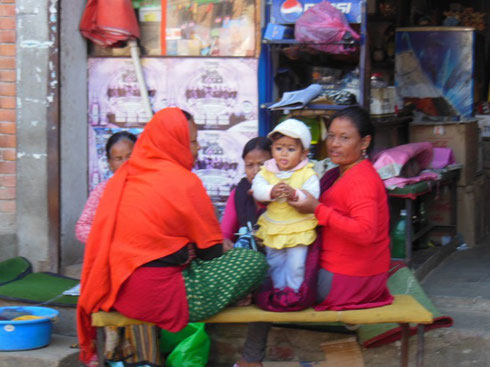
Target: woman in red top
(354,221)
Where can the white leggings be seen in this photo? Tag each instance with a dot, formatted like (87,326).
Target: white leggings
(287,266)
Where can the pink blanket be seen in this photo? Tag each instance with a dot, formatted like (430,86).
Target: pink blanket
(402,165)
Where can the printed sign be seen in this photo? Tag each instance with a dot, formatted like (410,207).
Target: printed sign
(288,11)
(221,94)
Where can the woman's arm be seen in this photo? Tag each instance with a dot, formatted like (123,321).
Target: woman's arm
(229,222)
(84,223)
(312,185)
(261,188)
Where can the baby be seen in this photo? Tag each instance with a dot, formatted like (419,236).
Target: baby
(285,232)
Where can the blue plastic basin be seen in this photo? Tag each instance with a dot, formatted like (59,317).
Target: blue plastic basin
(27,334)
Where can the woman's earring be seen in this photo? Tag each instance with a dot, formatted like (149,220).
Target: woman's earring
(364,154)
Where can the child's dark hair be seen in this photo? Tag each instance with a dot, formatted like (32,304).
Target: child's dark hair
(260,143)
(361,120)
(114,138)
(187,115)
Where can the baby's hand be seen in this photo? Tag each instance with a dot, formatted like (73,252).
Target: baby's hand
(289,192)
(278,190)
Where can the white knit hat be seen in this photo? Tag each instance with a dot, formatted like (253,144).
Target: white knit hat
(294,129)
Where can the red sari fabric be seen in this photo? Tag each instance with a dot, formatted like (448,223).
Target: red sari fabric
(157,295)
(354,293)
(152,207)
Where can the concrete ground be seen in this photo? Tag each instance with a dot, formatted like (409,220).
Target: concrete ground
(459,287)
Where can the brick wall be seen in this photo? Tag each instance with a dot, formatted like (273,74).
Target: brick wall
(7,116)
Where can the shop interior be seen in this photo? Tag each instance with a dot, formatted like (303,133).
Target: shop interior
(230,63)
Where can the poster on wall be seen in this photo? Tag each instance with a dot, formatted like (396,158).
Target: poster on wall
(221,94)
(434,71)
(211,28)
(200,28)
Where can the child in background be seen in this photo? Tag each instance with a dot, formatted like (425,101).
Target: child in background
(241,206)
(285,232)
(118,150)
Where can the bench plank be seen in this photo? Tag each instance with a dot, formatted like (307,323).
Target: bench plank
(404,309)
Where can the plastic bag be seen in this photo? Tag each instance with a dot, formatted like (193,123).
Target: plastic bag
(325,25)
(188,347)
(246,238)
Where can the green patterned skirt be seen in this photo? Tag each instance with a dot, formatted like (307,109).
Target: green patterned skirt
(212,285)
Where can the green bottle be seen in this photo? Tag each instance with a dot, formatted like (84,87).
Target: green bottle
(398,237)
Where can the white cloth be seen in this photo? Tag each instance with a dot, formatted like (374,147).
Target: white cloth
(287,266)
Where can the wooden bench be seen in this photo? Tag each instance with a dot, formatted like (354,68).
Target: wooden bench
(404,310)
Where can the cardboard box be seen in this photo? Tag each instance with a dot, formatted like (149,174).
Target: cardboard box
(295,364)
(343,352)
(338,353)
(484,124)
(486,205)
(486,153)
(439,207)
(471,211)
(461,137)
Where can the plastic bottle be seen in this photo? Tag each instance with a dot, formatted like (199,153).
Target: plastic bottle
(377,81)
(314,126)
(398,237)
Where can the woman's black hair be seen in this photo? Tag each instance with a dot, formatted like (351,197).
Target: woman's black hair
(361,120)
(260,143)
(187,115)
(114,138)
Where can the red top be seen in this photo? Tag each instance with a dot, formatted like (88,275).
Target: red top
(355,222)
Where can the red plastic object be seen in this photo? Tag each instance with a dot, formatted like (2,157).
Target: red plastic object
(109,22)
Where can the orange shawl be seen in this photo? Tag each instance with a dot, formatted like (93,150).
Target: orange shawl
(152,207)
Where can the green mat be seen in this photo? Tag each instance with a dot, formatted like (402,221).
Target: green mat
(13,269)
(18,283)
(401,282)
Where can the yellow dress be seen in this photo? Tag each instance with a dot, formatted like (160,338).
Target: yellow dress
(281,225)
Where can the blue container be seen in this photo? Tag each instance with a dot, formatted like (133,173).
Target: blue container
(27,334)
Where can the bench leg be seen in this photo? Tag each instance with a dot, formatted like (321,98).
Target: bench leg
(100,346)
(420,345)
(405,337)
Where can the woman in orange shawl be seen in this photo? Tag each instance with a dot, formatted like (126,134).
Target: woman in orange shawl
(154,251)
